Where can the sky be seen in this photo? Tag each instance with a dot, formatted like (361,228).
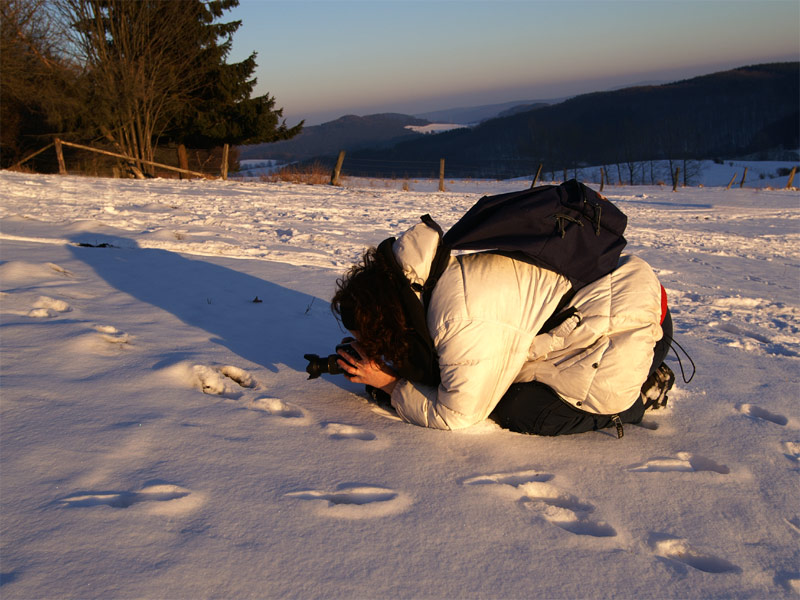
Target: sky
(324,59)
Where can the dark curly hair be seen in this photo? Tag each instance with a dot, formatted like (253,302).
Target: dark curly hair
(366,301)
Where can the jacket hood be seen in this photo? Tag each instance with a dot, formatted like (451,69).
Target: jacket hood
(415,250)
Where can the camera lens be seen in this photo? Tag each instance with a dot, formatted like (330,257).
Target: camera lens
(318,365)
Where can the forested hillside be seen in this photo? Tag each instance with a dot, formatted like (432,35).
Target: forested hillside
(744,111)
(346,133)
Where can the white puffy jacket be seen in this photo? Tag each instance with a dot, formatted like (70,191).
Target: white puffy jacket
(483,317)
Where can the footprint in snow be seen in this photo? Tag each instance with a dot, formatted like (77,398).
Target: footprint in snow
(342,431)
(169,499)
(513,479)
(355,501)
(756,412)
(683,461)
(731,328)
(46,307)
(102,340)
(547,501)
(112,335)
(679,550)
(792,451)
(218,381)
(564,510)
(290,413)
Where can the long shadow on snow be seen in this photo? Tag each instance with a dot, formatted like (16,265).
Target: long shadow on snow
(277,331)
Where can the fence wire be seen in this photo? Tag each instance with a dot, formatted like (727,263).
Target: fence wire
(627,173)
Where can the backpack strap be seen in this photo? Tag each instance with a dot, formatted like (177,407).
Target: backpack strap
(438,265)
(560,314)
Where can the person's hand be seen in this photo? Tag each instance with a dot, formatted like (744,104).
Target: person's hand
(367,371)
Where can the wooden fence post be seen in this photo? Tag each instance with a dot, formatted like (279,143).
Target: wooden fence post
(744,177)
(62,167)
(441,174)
(791,178)
(536,177)
(183,161)
(676,179)
(224,167)
(602,179)
(730,183)
(337,170)
(565,174)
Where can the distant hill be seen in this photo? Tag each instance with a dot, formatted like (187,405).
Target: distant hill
(472,115)
(743,111)
(515,110)
(353,132)
(346,133)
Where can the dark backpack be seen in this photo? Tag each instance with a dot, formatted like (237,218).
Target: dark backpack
(567,228)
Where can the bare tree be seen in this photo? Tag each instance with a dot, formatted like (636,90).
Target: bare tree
(139,65)
(37,83)
(25,30)
(692,170)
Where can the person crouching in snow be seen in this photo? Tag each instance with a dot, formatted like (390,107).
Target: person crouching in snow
(487,314)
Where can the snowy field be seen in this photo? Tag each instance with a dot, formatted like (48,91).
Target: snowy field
(159,438)
(760,174)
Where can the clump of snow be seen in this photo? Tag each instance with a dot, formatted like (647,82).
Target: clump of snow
(159,436)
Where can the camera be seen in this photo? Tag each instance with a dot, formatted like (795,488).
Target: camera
(319,365)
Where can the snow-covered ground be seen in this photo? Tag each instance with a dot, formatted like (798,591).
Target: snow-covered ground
(255,167)
(159,438)
(435,127)
(759,174)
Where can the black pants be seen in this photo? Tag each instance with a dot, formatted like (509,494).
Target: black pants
(533,407)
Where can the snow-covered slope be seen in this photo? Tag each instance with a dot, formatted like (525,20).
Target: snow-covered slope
(159,438)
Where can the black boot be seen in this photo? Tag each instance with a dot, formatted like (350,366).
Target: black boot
(654,391)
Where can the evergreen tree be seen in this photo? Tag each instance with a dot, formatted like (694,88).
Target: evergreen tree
(221,110)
